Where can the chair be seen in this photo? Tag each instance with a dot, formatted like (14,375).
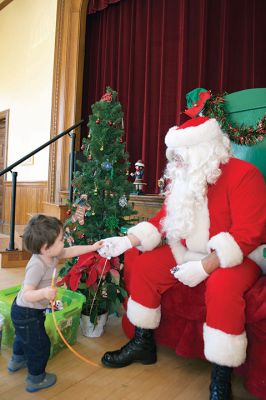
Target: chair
(182,321)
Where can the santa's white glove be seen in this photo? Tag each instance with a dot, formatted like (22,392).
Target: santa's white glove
(190,273)
(114,246)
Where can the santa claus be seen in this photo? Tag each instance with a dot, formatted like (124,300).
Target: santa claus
(213,217)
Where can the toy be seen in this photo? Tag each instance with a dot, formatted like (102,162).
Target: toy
(139,177)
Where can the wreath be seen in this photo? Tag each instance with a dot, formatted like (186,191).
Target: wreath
(246,135)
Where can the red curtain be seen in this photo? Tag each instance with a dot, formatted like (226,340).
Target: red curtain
(99,5)
(155,51)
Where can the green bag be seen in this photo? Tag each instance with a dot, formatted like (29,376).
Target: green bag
(67,319)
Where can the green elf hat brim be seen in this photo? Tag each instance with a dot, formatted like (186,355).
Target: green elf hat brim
(196,100)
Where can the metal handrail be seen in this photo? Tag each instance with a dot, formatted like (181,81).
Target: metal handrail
(4,171)
(14,174)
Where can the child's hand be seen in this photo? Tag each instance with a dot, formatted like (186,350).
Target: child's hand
(97,245)
(49,293)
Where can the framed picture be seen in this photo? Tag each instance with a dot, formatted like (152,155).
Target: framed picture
(29,161)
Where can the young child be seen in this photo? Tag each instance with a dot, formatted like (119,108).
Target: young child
(43,237)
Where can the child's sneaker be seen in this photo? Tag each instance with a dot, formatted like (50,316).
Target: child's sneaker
(39,382)
(16,363)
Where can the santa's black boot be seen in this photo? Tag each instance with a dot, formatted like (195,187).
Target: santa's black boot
(220,387)
(141,348)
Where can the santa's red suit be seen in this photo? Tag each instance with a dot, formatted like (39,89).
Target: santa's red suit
(232,224)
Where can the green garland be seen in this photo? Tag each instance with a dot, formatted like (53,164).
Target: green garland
(246,135)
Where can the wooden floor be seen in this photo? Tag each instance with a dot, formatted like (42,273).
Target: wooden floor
(172,378)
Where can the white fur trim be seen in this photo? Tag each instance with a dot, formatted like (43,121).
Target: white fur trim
(178,251)
(182,255)
(227,249)
(148,235)
(223,348)
(194,256)
(193,135)
(257,256)
(143,317)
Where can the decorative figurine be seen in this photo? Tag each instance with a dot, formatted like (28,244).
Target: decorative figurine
(139,177)
(161,185)
(82,206)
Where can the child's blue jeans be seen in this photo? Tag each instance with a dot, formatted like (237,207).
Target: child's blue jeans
(31,339)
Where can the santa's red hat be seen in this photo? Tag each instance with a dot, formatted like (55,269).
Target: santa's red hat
(193,132)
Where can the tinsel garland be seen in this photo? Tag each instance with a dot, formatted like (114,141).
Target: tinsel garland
(246,135)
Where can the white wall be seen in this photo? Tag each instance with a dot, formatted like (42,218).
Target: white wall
(27,39)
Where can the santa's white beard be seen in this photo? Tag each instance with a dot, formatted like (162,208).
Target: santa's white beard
(187,190)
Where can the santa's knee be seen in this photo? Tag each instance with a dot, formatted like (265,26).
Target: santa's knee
(222,289)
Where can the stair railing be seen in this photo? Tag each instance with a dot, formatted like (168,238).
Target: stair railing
(11,246)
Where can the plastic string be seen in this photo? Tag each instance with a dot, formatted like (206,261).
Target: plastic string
(101,276)
(86,360)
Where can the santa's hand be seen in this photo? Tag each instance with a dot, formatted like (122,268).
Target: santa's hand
(190,273)
(115,246)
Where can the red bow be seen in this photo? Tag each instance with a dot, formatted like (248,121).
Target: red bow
(107,97)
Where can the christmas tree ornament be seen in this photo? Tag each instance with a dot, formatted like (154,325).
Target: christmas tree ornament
(122,201)
(90,157)
(68,237)
(110,123)
(97,121)
(68,212)
(82,147)
(81,207)
(101,148)
(79,215)
(106,165)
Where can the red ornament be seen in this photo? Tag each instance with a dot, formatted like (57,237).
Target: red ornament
(82,147)
(89,157)
(107,97)
(68,212)
(97,121)
(110,123)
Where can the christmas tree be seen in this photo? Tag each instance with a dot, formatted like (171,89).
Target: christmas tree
(100,207)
